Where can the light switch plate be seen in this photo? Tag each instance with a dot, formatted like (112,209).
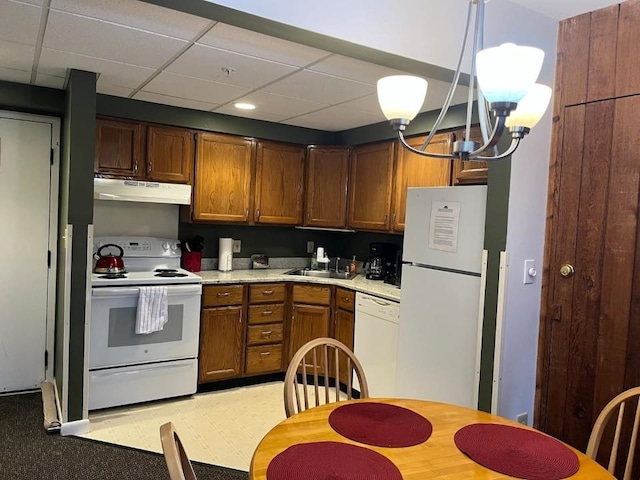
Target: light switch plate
(310,246)
(236,246)
(529,271)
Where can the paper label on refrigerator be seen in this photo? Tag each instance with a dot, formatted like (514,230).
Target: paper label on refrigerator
(443,227)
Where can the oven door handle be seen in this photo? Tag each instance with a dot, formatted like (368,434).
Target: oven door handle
(195,289)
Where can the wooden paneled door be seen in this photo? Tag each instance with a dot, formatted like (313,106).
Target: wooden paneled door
(370,186)
(307,323)
(326,187)
(169,154)
(119,148)
(590,325)
(470,172)
(223,178)
(589,347)
(279,183)
(415,170)
(221,343)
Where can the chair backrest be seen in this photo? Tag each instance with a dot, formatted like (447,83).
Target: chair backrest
(316,363)
(178,463)
(601,423)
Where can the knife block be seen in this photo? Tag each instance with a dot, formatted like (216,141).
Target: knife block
(191,261)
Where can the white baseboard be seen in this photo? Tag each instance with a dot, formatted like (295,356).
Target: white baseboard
(77,427)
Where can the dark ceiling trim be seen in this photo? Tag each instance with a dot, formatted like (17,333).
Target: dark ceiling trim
(30,98)
(275,29)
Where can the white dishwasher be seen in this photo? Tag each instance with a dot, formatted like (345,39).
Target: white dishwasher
(376,342)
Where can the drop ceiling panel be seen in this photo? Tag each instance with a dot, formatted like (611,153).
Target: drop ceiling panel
(282,106)
(193,88)
(16,55)
(437,92)
(137,14)
(254,114)
(255,44)
(334,119)
(86,36)
(55,62)
(175,101)
(115,90)
(320,87)
(352,69)
(208,63)
(13,75)
(19,22)
(368,104)
(33,2)
(51,81)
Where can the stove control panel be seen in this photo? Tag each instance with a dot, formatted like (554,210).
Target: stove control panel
(141,246)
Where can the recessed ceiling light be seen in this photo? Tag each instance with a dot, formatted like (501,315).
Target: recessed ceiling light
(244,106)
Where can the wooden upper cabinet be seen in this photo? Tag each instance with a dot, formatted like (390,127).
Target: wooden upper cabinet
(169,154)
(470,172)
(279,182)
(119,148)
(223,178)
(414,170)
(370,185)
(326,186)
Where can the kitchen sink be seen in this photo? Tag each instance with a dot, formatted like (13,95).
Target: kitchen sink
(305,272)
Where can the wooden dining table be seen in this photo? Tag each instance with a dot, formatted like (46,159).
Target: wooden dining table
(438,457)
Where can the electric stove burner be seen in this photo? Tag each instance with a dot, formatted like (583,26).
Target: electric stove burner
(166,270)
(170,274)
(113,276)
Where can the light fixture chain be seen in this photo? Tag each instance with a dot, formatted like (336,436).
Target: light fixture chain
(472,79)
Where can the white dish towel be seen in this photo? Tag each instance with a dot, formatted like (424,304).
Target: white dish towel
(153,310)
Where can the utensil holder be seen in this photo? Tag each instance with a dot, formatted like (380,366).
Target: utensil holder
(191,261)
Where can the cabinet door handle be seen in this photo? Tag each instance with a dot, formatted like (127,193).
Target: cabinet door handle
(223,294)
(308,215)
(267,292)
(240,317)
(149,167)
(266,333)
(393,219)
(267,312)
(265,354)
(385,218)
(257,214)
(246,214)
(135,167)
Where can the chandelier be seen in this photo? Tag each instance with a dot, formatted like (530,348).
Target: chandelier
(507,96)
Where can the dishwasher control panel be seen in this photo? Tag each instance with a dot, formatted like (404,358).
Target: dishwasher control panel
(378,307)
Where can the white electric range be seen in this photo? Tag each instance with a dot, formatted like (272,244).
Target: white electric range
(126,367)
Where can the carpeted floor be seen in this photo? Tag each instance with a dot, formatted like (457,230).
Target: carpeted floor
(27,452)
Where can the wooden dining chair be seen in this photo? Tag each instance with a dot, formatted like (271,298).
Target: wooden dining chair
(317,364)
(618,403)
(178,462)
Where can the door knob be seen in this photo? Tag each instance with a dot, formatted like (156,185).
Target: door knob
(567,270)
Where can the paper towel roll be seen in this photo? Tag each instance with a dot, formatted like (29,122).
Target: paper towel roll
(225,254)
(320,255)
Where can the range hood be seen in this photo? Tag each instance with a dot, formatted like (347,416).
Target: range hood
(140,191)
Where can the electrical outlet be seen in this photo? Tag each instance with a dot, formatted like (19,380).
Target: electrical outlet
(310,246)
(236,246)
(523,418)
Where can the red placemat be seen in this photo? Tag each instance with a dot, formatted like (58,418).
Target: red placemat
(517,452)
(380,424)
(331,460)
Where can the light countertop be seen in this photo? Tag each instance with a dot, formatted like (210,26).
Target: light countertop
(358,283)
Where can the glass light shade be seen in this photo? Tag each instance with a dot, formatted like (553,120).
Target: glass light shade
(506,73)
(401,96)
(531,108)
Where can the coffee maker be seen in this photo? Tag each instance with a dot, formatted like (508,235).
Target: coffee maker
(381,263)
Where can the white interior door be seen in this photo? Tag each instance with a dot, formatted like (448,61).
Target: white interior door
(25,173)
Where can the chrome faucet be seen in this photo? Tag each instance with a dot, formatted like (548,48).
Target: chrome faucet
(337,264)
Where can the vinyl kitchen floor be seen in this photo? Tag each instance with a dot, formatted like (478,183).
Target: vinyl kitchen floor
(219,428)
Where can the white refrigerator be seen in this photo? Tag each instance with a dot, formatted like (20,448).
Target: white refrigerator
(442,295)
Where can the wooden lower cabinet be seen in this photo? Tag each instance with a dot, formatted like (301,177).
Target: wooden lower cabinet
(344,326)
(221,343)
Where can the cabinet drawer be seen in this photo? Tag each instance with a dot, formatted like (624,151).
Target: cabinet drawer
(222,295)
(311,294)
(264,359)
(266,292)
(266,313)
(345,299)
(267,333)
